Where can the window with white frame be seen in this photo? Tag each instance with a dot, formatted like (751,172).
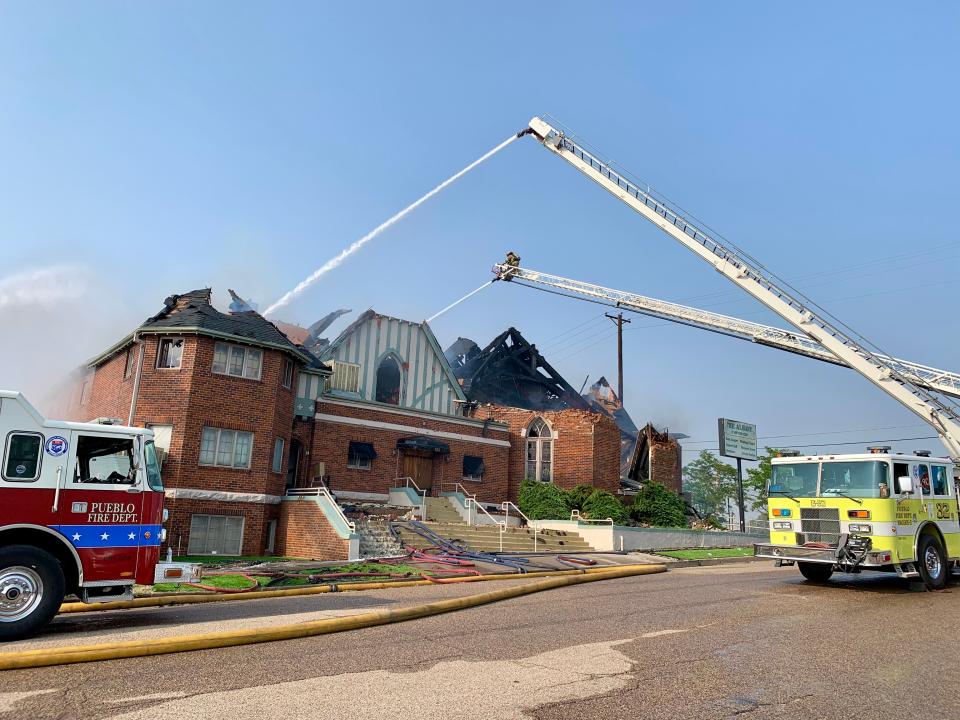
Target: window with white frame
(539,463)
(287,378)
(215,535)
(237,360)
(278,454)
(225,448)
(346,377)
(170,353)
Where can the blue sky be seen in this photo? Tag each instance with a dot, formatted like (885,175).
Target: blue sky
(154,148)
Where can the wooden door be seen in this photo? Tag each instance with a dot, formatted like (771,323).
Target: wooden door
(420,468)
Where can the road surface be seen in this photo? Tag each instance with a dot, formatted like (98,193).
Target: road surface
(720,642)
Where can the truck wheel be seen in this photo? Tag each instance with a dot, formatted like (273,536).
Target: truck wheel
(815,572)
(932,563)
(31,590)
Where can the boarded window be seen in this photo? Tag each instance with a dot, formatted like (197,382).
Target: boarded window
(22,461)
(346,377)
(131,358)
(215,535)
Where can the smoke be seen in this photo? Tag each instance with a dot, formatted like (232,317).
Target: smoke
(43,287)
(335,262)
(52,320)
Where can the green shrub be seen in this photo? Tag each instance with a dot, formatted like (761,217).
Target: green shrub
(655,505)
(543,501)
(577,497)
(602,505)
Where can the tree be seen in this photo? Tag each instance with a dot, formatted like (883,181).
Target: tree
(755,484)
(657,506)
(602,505)
(710,482)
(542,501)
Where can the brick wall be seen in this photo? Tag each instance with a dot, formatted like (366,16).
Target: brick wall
(305,532)
(332,440)
(257,517)
(586,448)
(666,464)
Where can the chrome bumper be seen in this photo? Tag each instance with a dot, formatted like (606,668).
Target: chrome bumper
(799,553)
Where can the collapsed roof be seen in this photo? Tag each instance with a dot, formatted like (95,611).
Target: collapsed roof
(604,399)
(192,313)
(511,371)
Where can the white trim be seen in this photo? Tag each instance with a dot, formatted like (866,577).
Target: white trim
(393,410)
(222,496)
(409,428)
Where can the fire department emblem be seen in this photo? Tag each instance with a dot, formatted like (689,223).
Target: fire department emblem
(56,446)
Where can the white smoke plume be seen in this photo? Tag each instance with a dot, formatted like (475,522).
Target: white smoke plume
(42,287)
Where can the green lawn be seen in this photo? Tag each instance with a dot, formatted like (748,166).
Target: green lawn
(708,553)
(238,581)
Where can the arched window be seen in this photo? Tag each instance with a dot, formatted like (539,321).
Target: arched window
(539,451)
(389,380)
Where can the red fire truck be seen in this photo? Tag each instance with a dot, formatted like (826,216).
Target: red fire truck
(81,508)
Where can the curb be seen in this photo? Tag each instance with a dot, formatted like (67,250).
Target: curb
(190,599)
(708,562)
(230,638)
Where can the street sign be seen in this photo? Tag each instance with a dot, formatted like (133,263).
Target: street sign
(737,439)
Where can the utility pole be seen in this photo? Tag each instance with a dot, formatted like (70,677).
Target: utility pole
(619,320)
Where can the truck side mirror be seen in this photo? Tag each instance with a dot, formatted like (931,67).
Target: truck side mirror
(905,483)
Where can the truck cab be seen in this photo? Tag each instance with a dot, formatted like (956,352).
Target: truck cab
(881,511)
(81,513)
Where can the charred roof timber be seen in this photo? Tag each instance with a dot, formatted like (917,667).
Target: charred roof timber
(511,371)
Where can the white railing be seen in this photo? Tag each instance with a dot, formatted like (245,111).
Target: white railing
(472,503)
(506,505)
(324,493)
(457,487)
(575,515)
(409,482)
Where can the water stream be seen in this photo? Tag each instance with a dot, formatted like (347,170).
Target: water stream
(335,262)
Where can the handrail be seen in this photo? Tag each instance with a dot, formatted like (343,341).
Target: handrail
(502,524)
(323,492)
(456,486)
(575,515)
(409,482)
(506,505)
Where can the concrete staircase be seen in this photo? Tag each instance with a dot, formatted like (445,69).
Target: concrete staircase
(486,538)
(376,540)
(441,510)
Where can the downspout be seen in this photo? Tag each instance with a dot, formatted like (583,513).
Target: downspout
(136,379)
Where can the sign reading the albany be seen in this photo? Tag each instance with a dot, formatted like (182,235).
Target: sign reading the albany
(738,439)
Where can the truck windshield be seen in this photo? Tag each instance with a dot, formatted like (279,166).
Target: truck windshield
(856,479)
(798,480)
(152,466)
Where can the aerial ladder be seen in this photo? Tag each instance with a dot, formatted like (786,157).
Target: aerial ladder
(942,381)
(749,274)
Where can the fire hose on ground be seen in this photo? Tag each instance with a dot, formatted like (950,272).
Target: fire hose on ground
(230,638)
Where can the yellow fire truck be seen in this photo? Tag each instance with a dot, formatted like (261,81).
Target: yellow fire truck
(875,511)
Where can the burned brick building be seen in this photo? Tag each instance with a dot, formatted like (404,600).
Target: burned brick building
(557,434)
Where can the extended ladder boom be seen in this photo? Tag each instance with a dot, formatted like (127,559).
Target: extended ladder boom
(759,283)
(928,377)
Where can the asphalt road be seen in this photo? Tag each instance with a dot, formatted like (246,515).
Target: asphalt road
(736,640)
